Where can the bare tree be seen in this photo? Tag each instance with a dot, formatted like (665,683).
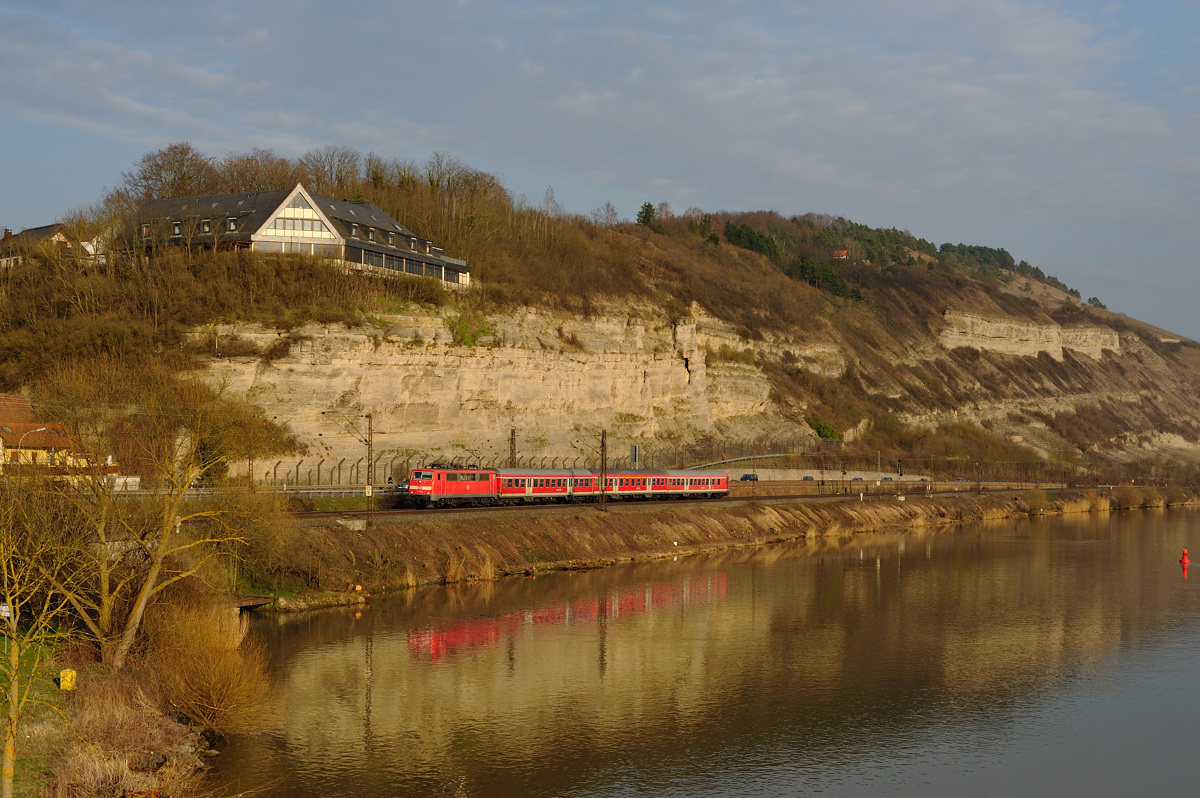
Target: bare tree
(176,432)
(550,205)
(177,170)
(333,169)
(257,170)
(606,215)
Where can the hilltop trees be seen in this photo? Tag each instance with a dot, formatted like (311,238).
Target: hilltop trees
(177,170)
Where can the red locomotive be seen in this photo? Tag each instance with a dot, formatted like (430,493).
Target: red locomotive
(436,486)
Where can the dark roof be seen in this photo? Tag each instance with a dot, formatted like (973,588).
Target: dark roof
(251,210)
(32,236)
(364,214)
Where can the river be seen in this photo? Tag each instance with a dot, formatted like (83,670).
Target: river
(1054,656)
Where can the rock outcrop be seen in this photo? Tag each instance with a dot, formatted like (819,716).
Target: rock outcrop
(1024,337)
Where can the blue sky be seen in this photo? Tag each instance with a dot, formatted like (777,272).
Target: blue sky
(1066,132)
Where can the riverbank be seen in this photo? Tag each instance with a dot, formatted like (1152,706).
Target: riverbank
(396,552)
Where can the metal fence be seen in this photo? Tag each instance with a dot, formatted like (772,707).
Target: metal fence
(307,472)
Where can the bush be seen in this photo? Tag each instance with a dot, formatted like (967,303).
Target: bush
(823,430)
(1126,496)
(208,670)
(1037,500)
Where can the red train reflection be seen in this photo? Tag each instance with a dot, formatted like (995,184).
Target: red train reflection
(440,642)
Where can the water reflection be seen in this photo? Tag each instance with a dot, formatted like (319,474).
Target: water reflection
(838,665)
(449,639)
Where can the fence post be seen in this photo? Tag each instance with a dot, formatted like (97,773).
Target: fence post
(275,473)
(319,464)
(298,464)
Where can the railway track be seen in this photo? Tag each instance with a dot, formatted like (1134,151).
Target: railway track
(639,503)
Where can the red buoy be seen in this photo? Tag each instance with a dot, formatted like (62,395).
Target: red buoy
(1184,559)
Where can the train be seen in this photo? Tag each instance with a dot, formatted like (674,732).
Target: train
(437,486)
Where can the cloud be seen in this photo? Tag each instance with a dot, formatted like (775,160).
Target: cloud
(990,122)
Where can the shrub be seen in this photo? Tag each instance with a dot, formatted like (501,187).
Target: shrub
(207,668)
(823,430)
(1126,496)
(1037,500)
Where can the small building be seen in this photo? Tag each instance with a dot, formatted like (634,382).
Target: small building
(358,234)
(15,248)
(24,440)
(841,254)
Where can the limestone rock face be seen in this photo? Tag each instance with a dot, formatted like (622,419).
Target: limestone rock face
(1023,337)
(557,380)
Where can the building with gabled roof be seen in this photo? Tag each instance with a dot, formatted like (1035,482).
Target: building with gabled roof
(15,248)
(358,234)
(27,441)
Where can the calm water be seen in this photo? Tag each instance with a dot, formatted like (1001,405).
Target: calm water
(1056,657)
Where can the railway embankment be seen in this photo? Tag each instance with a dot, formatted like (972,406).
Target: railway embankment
(404,551)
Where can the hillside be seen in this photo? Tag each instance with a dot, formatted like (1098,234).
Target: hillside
(720,332)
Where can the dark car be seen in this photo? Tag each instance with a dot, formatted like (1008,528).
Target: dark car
(806,479)
(749,477)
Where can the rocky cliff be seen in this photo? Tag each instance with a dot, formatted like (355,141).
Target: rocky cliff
(559,379)
(1025,338)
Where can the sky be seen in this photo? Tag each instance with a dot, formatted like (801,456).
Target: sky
(1067,131)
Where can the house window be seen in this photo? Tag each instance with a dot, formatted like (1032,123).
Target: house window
(354,231)
(176,228)
(206,226)
(145,231)
(231,224)
(391,239)
(370,233)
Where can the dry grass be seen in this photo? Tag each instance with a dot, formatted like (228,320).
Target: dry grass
(116,723)
(487,569)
